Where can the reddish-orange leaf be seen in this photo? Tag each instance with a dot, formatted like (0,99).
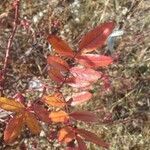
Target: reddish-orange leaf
(32,123)
(81,97)
(54,100)
(79,83)
(66,135)
(85,116)
(41,113)
(87,74)
(89,136)
(59,116)
(81,143)
(96,38)
(58,63)
(90,87)
(83,77)
(94,60)
(10,105)
(60,46)
(13,128)
(56,75)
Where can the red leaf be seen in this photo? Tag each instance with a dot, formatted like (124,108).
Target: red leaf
(83,77)
(56,75)
(79,83)
(89,136)
(13,128)
(59,116)
(85,74)
(81,143)
(57,63)
(41,113)
(90,87)
(85,116)
(60,46)
(96,38)
(94,60)
(81,97)
(66,135)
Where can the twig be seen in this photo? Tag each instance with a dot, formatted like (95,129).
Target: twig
(103,13)
(121,100)
(9,44)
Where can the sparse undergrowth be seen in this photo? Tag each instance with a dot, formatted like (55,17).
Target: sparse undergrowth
(127,99)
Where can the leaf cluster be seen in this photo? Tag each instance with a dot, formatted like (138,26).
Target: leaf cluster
(81,74)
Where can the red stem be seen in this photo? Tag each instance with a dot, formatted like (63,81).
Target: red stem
(9,44)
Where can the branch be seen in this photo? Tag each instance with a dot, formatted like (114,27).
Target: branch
(9,44)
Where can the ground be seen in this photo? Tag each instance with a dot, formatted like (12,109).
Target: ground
(129,97)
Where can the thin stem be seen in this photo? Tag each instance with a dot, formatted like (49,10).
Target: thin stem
(103,13)
(9,44)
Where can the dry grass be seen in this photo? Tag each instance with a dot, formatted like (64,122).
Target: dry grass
(129,98)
